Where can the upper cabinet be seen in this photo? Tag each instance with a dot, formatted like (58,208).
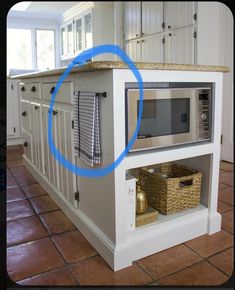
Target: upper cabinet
(152,17)
(179,14)
(160,31)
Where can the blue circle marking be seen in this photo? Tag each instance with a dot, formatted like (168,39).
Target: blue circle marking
(79,61)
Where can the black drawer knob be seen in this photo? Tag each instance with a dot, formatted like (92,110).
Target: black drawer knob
(55,112)
(169,27)
(22,89)
(52,90)
(33,89)
(170,34)
(25,144)
(24,113)
(36,107)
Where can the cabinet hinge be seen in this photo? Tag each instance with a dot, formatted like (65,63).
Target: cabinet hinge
(195,16)
(163,25)
(14,129)
(76,196)
(73,124)
(163,40)
(12,87)
(194,34)
(221,139)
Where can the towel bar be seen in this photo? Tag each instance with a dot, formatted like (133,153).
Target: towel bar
(103,95)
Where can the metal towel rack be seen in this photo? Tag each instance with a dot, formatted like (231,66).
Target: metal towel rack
(103,95)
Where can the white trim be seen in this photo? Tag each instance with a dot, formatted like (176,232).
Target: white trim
(14,141)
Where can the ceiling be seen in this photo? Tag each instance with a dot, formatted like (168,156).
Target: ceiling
(41,9)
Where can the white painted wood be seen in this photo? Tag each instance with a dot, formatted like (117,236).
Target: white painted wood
(178,14)
(28,146)
(104,199)
(152,17)
(34,90)
(179,46)
(132,10)
(134,50)
(64,95)
(25,120)
(152,49)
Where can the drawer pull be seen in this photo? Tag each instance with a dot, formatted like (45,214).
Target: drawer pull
(22,89)
(25,144)
(52,90)
(36,107)
(55,112)
(24,113)
(33,89)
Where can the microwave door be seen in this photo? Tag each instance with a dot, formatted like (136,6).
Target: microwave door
(168,117)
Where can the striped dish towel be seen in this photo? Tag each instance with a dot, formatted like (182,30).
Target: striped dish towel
(86,127)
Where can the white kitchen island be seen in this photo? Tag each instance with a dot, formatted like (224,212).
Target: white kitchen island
(100,213)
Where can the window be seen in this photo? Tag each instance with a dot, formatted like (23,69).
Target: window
(45,40)
(88,33)
(70,38)
(63,40)
(19,49)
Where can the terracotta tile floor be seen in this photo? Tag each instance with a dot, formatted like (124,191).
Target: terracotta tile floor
(44,248)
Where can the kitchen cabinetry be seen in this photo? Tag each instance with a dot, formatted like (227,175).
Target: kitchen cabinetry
(13,113)
(98,206)
(164,32)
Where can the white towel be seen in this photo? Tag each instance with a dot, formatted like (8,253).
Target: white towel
(86,127)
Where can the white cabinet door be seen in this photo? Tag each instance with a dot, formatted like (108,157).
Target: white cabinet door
(178,14)
(152,17)
(37,137)
(132,19)
(179,46)
(10,110)
(152,49)
(133,49)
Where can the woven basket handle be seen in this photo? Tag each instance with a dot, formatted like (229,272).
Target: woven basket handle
(186,181)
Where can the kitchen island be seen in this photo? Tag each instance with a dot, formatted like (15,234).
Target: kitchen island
(98,206)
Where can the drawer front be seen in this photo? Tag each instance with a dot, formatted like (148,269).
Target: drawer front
(34,90)
(64,95)
(27,143)
(24,90)
(25,115)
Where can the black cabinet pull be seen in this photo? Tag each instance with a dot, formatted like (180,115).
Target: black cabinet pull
(170,34)
(22,89)
(169,27)
(24,113)
(52,90)
(33,89)
(25,144)
(36,107)
(55,112)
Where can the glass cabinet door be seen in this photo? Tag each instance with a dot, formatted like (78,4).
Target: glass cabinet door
(63,41)
(78,35)
(70,38)
(88,31)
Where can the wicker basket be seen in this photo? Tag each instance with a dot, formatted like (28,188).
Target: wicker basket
(171,187)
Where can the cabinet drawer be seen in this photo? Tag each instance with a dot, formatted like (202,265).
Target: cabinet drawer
(34,90)
(25,115)
(64,95)
(27,142)
(24,90)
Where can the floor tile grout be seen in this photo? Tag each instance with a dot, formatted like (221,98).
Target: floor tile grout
(145,271)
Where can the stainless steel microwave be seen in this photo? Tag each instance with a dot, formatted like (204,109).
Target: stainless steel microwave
(171,116)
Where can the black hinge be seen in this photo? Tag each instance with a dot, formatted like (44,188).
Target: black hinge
(12,87)
(163,40)
(195,16)
(194,34)
(73,124)
(14,129)
(163,25)
(76,196)
(221,139)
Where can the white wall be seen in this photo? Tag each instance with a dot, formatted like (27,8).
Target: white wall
(215,47)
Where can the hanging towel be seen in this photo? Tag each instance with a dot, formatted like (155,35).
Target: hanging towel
(86,127)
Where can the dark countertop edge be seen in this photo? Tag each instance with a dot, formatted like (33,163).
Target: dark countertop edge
(107,65)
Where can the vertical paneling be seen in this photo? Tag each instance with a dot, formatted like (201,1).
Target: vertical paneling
(132,19)
(152,17)
(45,141)
(133,49)
(178,14)
(179,46)
(152,49)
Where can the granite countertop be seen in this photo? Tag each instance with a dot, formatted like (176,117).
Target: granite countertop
(107,65)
